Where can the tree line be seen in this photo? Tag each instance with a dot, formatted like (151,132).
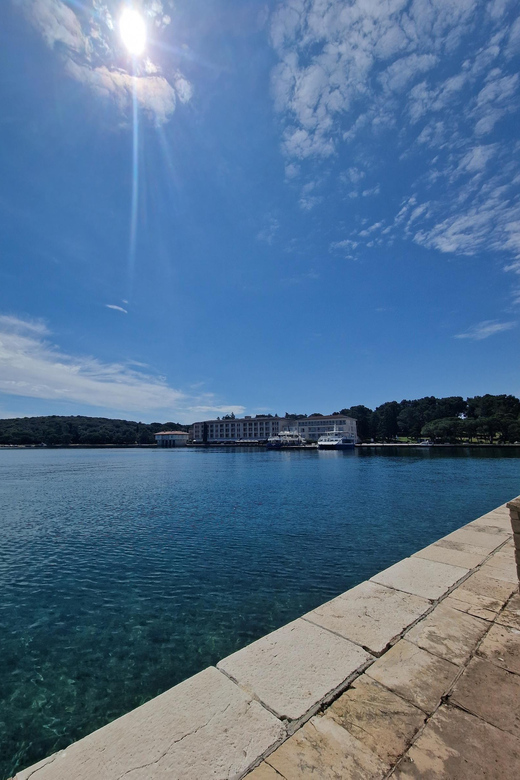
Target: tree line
(453,420)
(56,431)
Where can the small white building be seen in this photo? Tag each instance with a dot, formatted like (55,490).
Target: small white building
(171,438)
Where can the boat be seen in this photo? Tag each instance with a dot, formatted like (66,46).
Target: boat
(335,440)
(285,439)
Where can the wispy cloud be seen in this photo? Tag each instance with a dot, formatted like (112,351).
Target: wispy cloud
(12,323)
(485,329)
(88,44)
(438,77)
(268,233)
(116,308)
(32,367)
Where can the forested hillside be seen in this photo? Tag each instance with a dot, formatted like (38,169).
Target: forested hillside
(65,431)
(486,418)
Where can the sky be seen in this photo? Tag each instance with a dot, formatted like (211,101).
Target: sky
(271,207)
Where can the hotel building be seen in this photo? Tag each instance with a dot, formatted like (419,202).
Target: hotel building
(256,429)
(245,429)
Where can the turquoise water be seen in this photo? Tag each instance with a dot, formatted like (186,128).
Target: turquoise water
(123,572)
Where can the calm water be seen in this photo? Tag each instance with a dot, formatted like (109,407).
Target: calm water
(123,572)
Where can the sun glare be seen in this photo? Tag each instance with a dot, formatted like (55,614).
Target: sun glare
(133,31)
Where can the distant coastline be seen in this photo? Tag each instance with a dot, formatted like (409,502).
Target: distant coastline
(478,421)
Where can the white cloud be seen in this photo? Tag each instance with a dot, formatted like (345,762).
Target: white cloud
(291,171)
(153,93)
(485,329)
(269,232)
(57,23)
(371,191)
(116,308)
(477,158)
(34,327)
(396,77)
(91,55)
(335,56)
(347,243)
(353,175)
(32,367)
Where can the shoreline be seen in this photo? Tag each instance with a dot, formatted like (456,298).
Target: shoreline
(249,445)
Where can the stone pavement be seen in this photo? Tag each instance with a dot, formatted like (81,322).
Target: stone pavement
(443,701)
(413,674)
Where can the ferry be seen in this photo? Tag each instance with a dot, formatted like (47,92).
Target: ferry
(285,439)
(335,440)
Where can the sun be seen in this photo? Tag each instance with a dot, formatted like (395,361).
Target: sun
(133,31)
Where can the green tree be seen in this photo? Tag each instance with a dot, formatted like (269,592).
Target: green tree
(362,415)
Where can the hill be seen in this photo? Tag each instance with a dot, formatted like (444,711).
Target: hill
(57,431)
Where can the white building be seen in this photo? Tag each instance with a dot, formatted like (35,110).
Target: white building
(171,438)
(230,430)
(259,428)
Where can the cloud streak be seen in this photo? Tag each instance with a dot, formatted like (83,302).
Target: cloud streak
(485,329)
(116,308)
(32,367)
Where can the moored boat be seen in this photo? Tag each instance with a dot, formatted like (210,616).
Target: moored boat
(335,440)
(285,439)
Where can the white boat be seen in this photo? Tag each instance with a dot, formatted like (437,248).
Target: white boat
(335,440)
(285,439)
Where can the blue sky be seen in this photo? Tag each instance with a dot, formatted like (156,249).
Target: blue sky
(284,206)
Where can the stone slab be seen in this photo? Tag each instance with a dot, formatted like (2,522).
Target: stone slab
(454,544)
(501,569)
(436,552)
(494,592)
(458,746)
(470,608)
(491,693)
(295,668)
(448,633)
(501,646)
(495,519)
(384,722)
(370,615)
(206,727)
(324,750)
(510,616)
(476,537)
(420,577)
(415,674)
(264,772)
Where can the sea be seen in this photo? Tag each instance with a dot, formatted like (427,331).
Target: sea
(125,571)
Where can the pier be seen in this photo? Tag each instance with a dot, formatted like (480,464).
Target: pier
(412,674)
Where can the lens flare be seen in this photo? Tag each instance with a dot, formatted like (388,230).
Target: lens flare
(133,31)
